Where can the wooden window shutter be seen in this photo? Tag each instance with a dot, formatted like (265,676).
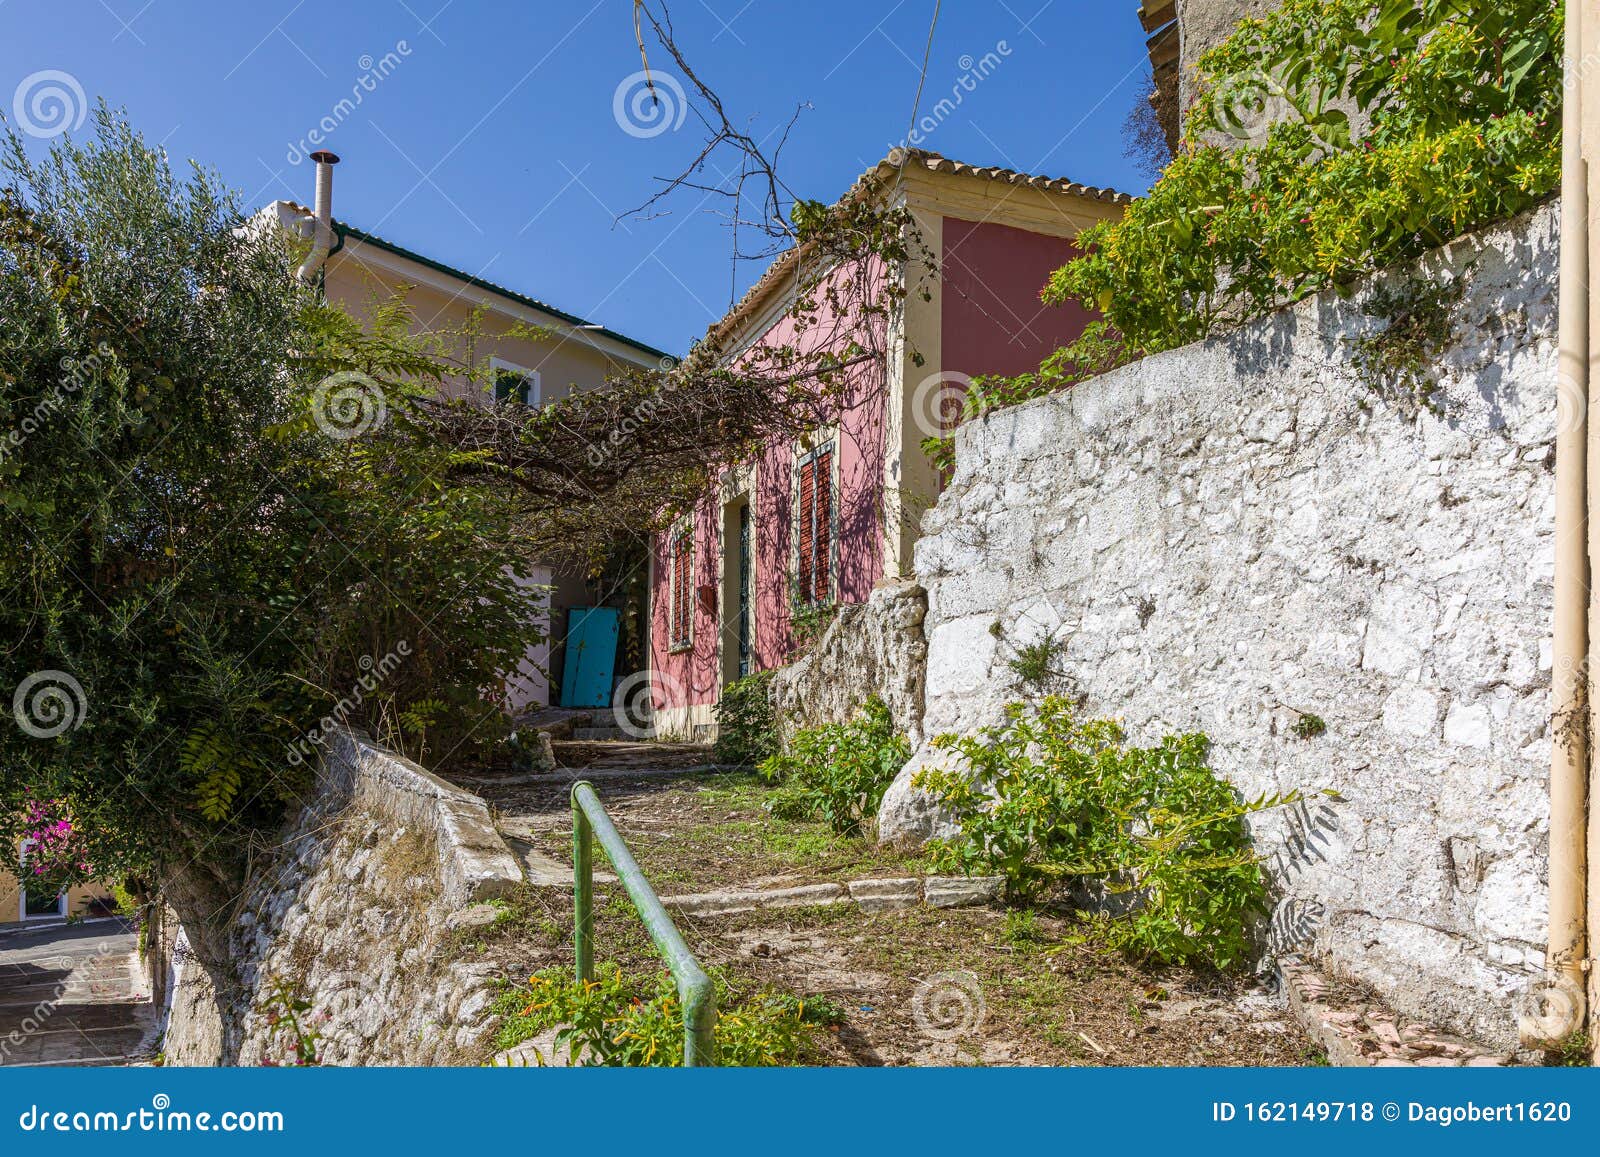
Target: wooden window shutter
(823,539)
(681,609)
(807,516)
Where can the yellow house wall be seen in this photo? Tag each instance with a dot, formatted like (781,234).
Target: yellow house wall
(566,357)
(77,898)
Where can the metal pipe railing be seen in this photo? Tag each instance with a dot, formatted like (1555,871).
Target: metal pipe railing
(695,991)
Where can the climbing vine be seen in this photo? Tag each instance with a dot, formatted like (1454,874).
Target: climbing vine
(1330,139)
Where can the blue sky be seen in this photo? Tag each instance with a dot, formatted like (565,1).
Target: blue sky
(486,135)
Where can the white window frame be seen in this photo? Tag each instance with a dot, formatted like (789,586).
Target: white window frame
(23,915)
(501,365)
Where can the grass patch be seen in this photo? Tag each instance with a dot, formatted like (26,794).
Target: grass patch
(621,1021)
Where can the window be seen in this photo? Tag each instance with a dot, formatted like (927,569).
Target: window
(680,608)
(814,507)
(513,382)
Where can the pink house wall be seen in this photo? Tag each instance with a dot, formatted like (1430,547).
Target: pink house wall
(991,321)
(694,676)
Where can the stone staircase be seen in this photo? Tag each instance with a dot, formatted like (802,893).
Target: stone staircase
(73,995)
(591,743)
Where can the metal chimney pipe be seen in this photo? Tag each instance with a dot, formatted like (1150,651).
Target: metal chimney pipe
(322,210)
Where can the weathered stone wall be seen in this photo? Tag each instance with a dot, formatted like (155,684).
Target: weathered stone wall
(353,912)
(1204,24)
(1227,535)
(871,648)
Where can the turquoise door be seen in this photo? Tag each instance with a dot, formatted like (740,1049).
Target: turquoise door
(591,657)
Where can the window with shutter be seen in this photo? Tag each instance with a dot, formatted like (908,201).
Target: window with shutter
(814,527)
(681,609)
(514,383)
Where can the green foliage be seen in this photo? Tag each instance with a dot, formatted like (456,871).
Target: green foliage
(291,1027)
(1572,1051)
(184,538)
(746,729)
(1397,362)
(616,1021)
(1463,98)
(1308,726)
(837,774)
(1095,351)
(1048,800)
(808,620)
(1037,664)
(1022,927)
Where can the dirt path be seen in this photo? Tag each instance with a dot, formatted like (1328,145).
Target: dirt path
(918,986)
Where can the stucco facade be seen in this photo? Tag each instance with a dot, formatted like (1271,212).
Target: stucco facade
(994,236)
(554,352)
(16,905)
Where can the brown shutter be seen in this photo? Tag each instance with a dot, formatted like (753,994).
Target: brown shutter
(807,516)
(823,539)
(680,610)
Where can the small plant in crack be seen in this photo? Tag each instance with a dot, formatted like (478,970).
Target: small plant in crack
(1307,725)
(1397,362)
(1038,664)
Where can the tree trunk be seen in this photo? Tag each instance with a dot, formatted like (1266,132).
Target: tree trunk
(203,895)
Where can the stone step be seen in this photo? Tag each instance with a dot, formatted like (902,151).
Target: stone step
(872,894)
(86,1017)
(610,753)
(590,734)
(72,1045)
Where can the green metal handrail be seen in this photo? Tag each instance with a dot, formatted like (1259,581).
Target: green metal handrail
(589,822)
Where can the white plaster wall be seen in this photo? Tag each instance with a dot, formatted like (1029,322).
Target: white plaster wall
(1301,545)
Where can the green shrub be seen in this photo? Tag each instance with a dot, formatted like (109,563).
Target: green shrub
(837,774)
(1049,800)
(1462,97)
(1464,103)
(747,731)
(616,1021)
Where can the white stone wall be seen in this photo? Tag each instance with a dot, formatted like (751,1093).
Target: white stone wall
(872,648)
(355,911)
(1225,535)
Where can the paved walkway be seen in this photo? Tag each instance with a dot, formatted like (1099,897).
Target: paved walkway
(73,994)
